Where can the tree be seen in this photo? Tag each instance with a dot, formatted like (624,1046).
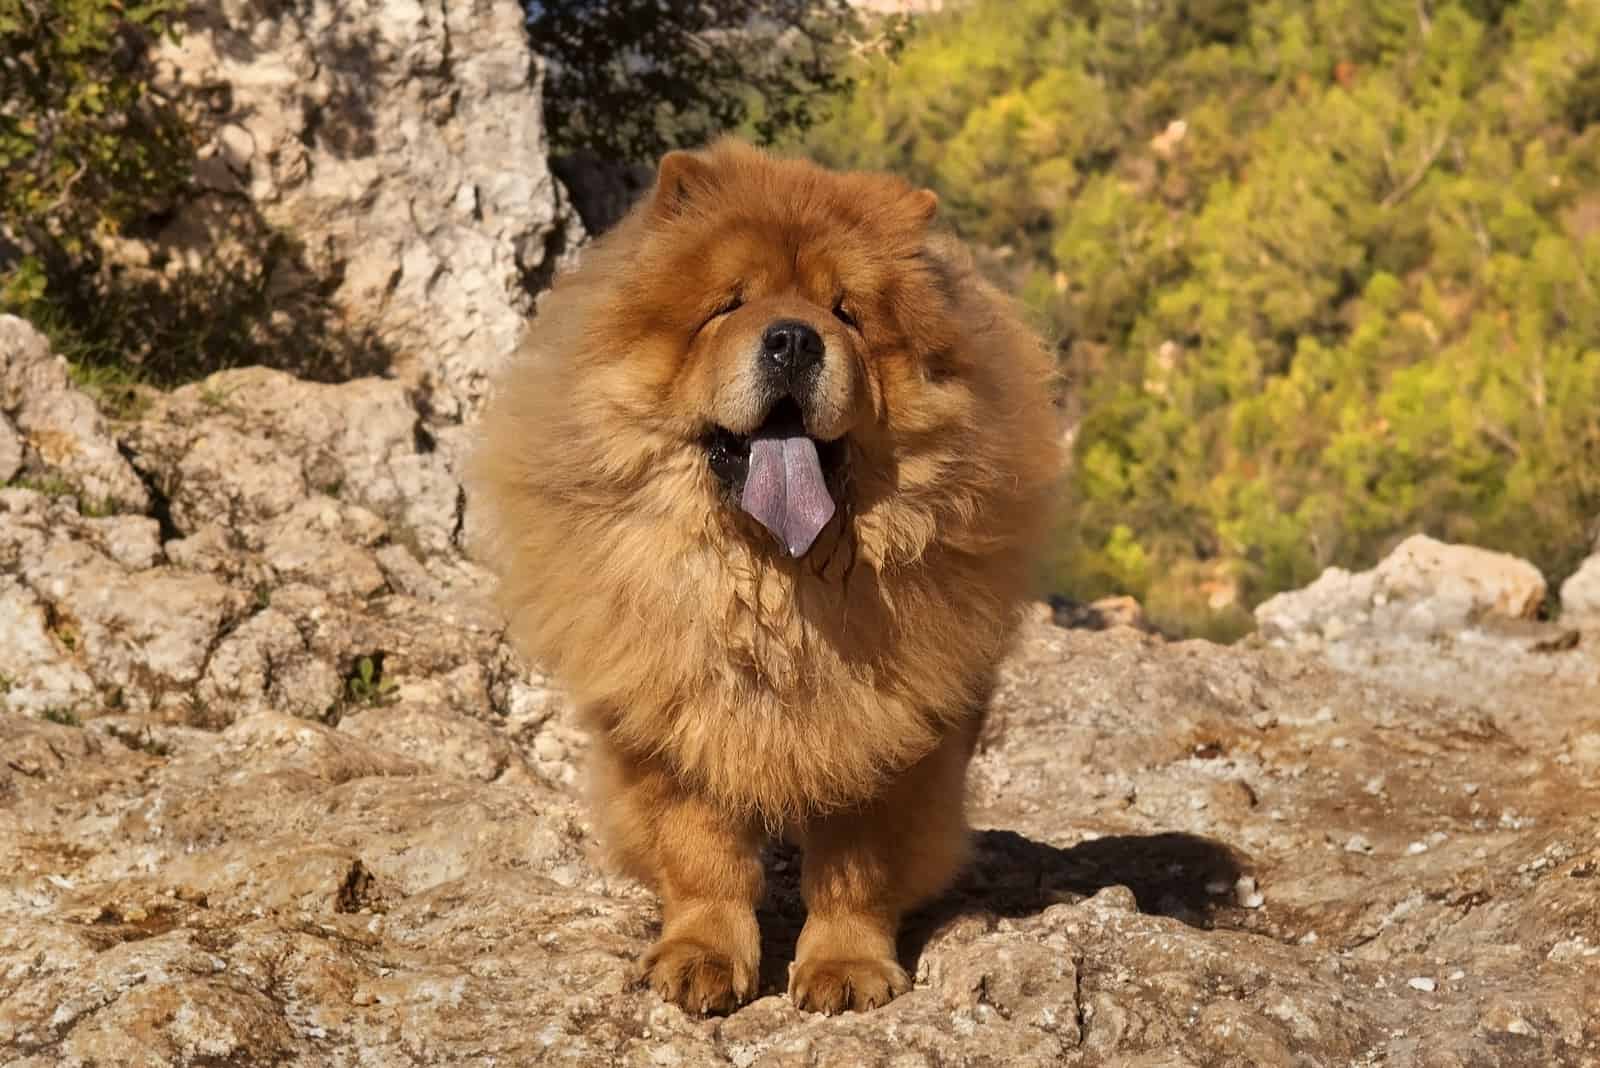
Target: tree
(85,143)
(630,79)
(1321,275)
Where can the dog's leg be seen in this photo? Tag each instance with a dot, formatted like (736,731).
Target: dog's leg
(707,870)
(864,869)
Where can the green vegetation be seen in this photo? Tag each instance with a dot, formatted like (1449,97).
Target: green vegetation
(53,485)
(116,389)
(85,144)
(629,79)
(367,685)
(64,716)
(97,164)
(1321,275)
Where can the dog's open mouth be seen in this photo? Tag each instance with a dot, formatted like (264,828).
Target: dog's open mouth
(779,475)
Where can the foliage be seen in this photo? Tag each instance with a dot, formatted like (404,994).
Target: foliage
(85,144)
(100,217)
(629,80)
(366,683)
(118,391)
(64,716)
(1322,275)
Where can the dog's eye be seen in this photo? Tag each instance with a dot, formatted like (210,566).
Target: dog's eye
(727,307)
(841,313)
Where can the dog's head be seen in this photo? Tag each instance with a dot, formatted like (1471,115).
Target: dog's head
(804,343)
(795,326)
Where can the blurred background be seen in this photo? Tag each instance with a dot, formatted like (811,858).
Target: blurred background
(1319,276)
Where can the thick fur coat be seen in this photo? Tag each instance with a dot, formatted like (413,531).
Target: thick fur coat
(736,691)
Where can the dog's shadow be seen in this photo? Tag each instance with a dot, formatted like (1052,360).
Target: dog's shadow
(1172,874)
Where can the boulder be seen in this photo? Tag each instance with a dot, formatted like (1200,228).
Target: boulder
(1422,587)
(1580,593)
(47,424)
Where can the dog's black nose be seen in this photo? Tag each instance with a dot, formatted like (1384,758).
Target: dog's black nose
(791,347)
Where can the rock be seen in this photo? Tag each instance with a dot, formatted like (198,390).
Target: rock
(11,450)
(283,890)
(404,145)
(1423,587)
(1580,594)
(272,459)
(37,675)
(47,422)
(255,586)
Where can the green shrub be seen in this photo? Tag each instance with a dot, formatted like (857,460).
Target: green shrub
(629,79)
(1321,275)
(86,145)
(97,163)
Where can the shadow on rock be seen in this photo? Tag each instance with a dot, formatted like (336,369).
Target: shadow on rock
(1183,876)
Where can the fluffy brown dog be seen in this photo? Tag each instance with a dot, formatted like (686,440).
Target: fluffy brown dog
(763,490)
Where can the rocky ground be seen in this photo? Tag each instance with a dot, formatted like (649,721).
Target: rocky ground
(275,792)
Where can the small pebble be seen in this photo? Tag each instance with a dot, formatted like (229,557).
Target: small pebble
(1358,844)
(1457,975)
(1416,847)
(1422,983)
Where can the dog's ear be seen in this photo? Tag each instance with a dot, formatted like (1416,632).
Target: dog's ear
(925,203)
(680,177)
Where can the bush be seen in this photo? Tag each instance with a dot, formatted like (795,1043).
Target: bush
(85,144)
(1321,275)
(97,164)
(630,79)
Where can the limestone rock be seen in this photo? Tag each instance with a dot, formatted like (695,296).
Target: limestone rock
(11,450)
(1423,587)
(404,145)
(273,459)
(1580,593)
(280,890)
(43,416)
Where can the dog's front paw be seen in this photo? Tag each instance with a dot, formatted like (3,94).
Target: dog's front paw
(696,977)
(830,986)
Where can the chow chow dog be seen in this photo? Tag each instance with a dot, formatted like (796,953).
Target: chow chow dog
(763,489)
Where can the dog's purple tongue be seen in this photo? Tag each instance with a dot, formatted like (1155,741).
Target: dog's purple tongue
(784,488)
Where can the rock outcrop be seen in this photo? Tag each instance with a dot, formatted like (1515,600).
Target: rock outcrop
(1580,594)
(403,145)
(275,791)
(51,430)
(1423,587)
